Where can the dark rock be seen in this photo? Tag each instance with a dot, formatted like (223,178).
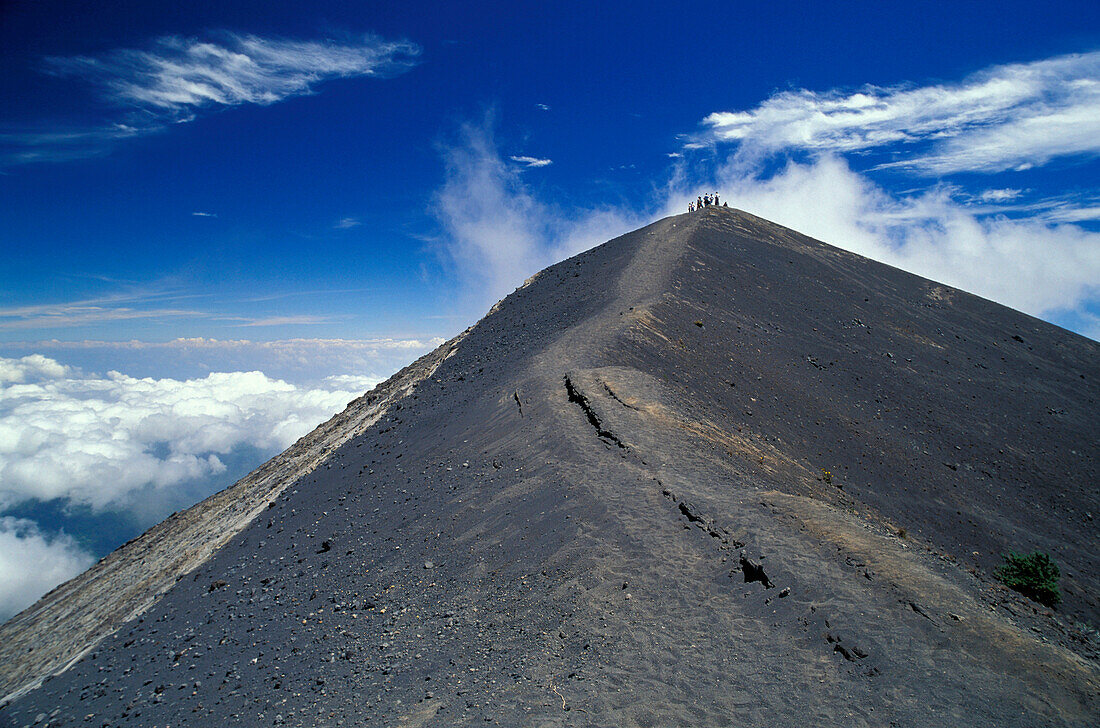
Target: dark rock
(753,571)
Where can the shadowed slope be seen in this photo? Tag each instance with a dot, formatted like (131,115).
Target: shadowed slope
(608,507)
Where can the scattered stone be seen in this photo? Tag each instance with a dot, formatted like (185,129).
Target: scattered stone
(851,654)
(689,513)
(754,572)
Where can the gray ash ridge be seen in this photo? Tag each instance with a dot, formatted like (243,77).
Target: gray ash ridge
(606,505)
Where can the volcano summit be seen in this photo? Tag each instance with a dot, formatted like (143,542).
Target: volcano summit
(712,472)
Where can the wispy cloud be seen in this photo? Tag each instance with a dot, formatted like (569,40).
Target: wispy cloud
(179,75)
(1000,195)
(1014,246)
(532,161)
(275,296)
(285,320)
(35,145)
(311,345)
(347,223)
(204,214)
(175,78)
(149,302)
(1072,213)
(116,307)
(543,107)
(496,233)
(1006,117)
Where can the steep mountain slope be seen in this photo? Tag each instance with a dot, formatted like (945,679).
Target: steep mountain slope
(72,618)
(608,506)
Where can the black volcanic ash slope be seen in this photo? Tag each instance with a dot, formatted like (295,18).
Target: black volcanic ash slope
(608,507)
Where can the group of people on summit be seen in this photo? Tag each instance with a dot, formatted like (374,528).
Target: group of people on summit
(705,201)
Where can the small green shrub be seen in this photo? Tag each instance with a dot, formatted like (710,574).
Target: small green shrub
(1034,575)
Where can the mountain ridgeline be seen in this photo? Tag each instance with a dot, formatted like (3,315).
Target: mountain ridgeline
(712,472)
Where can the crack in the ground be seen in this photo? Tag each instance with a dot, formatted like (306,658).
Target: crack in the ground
(691,513)
(578,398)
(617,398)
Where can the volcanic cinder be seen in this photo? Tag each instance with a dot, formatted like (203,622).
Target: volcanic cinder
(712,472)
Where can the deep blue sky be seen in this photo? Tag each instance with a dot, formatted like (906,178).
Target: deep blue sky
(621,80)
(219,221)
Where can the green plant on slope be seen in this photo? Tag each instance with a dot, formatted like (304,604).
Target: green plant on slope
(1034,575)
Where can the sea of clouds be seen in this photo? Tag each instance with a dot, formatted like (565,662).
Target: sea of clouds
(114,443)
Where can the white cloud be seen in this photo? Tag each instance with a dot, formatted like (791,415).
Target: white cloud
(303,362)
(301,319)
(32,563)
(90,311)
(148,302)
(543,107)
(347,223)
(178,75)
(34,366)
(96,440)
(146,446)
(38,145)
(1001,195)
(496,233)
(302,345)
(1071,213)
(204,214)
(1024,254)
(1040,268)
(174,78)
(532,161)
(350,382)
(1006,117)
